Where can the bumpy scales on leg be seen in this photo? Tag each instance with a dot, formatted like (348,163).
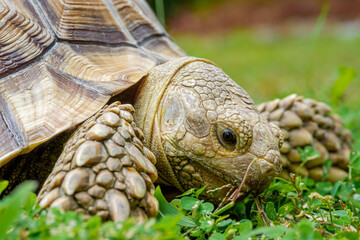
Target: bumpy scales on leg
(104,169)
(306,122)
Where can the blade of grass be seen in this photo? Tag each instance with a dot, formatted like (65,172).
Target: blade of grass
(11,206)
(166,209)
(160,11)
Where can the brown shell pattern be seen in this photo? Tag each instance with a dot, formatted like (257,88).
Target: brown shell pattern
(61,60)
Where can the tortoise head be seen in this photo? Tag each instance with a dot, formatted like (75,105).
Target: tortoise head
(205,129)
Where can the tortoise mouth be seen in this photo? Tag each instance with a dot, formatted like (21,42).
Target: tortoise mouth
(258,178)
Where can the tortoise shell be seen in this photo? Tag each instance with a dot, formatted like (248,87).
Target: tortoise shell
(62,60)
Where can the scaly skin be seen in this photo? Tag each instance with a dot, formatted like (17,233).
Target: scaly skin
(104,169)
(183,109)
(306,122)
(202,127)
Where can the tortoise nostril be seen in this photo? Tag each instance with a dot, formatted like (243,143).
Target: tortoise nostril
(266,167)
(273,157)
(278,133)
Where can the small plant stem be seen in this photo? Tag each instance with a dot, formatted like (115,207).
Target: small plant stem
(184,234)
(262,213)
(350,173)
(309,215)
(219,188)
(300,166)
(335,225)
(243,181)
(330,212)
(298,198)
(322,215)
(235,195)
(294,203)
(225,198)
(223,209)
(327,223)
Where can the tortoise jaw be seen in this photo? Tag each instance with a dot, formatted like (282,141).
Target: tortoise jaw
(258,177)
(268,171)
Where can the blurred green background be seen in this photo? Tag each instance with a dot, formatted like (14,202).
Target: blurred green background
(276,48)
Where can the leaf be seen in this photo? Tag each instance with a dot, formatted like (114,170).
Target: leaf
(355,159)
(198,192)
(176,203)
(290,235)
(270,211)
(190,203)
(164,206)
(271,232)
(316,202)
(299,182)
(347,235)
(239,210)
(346,191)
(224,223)
(187,222)
(336,188)
(196,215)
(292,194)
(308,153)
(326,168)
(356,200)
(306,231)
(345,76)
(245,226)
(224,208)
(282,186)
(285,209)
(344,220)
(206,208)
(324,188)
(197,232)
(217,236)
(206,223)
(355,177)
(11,206)
(188,192)
(340,213)
(3,185)
(31,203)
(309,182)
(166,209)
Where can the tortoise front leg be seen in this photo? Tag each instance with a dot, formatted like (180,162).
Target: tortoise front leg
(104,169)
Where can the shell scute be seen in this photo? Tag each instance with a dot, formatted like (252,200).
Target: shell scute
(61,61)
(23,35)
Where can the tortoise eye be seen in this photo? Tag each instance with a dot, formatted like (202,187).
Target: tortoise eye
(228,137)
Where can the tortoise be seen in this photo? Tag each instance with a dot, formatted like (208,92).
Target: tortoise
(97,103)
(147,108)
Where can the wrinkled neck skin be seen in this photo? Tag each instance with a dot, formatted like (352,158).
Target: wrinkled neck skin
(205,130)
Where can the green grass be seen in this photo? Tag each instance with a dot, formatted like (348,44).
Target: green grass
(269,65)
(296,209)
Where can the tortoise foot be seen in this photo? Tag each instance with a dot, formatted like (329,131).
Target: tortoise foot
(306,122)
(104,170)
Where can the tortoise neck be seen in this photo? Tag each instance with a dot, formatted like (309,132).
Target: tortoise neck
(147,102)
